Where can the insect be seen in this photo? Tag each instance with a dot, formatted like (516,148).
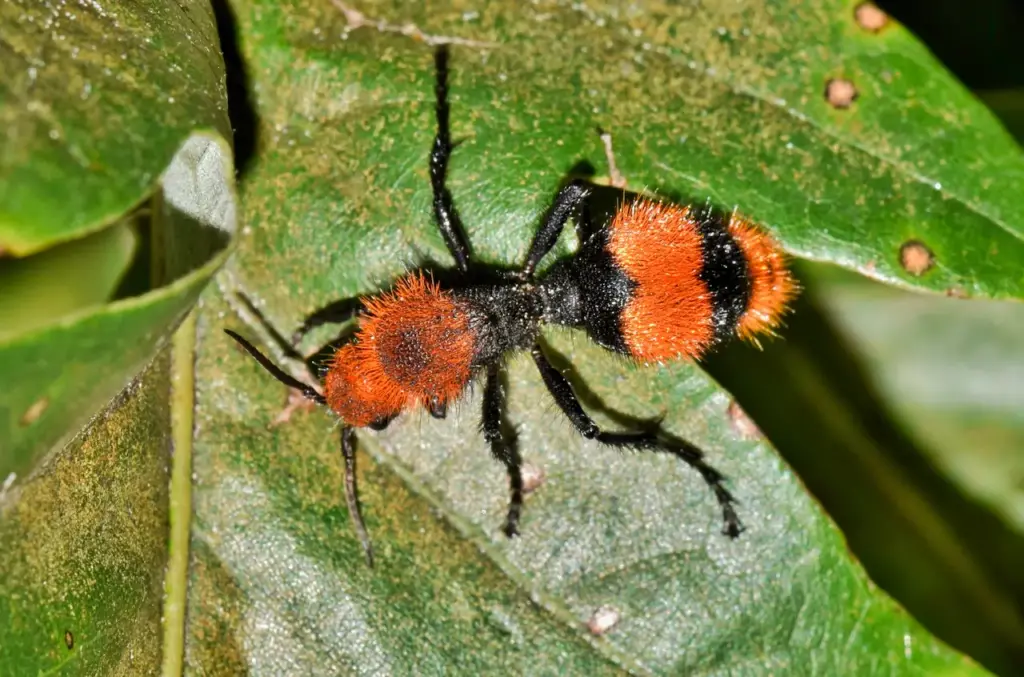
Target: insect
(657,282)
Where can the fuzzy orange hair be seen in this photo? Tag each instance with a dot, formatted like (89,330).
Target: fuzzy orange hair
(414,345)
(669,314)
(772,286)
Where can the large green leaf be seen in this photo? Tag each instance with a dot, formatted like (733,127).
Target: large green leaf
(84,545)
(279,579)
(65,351)
(725,102)
(105,109)
(94,101)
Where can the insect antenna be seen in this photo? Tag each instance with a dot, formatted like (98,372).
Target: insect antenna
(308,391)
(348,448)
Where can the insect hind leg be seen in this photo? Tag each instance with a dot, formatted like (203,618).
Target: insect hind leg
(567,401)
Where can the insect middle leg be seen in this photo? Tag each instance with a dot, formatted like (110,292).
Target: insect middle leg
(501,448)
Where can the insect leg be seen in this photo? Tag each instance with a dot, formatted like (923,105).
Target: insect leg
(348,451)
(567,200)
(335,312)
(445,214)
(567,401)
(501,449)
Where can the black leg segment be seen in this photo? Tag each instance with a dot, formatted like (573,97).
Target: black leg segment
(335,312)
(564,396)
(501,449)
(437,408)
(566,202)
(348,452)
(444,208)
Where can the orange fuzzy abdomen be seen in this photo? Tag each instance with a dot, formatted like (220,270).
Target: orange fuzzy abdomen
(669,312)
(672,312)
(772,286)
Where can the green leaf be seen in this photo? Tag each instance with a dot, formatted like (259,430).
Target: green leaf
(67,357)
(63,374)
(90,135)
(279,578)
(66,278)
(95,101)
(84,545)
(726,103)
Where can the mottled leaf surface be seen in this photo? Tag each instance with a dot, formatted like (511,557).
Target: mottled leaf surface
(84,545)
(724,102)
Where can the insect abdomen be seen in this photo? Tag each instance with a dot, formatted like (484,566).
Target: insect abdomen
(696,279)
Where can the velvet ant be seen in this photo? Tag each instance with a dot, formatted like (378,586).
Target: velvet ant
(657,282)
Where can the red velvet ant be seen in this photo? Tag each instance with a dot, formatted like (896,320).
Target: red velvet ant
(658,282)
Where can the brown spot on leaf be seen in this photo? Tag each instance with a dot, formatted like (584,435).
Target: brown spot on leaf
(533,477)
(840,93)
(957,292)
(603,619)
(741,423)
(870,17)
(33,413)
(916,258)
(69,640)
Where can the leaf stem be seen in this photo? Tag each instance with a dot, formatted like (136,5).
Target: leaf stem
(182,418)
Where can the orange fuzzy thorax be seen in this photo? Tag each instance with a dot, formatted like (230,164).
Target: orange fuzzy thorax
(414,345)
